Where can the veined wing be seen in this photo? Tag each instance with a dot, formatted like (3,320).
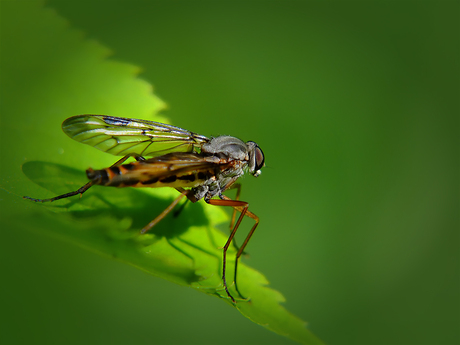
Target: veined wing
(176,164)
(120,136)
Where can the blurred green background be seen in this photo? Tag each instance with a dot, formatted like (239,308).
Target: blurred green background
(356,106)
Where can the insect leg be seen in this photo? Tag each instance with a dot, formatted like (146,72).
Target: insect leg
(80,190)
(189,198)
(232,222)
(248,237)
(238,191)
(165,212)
(188,194)
(240,206)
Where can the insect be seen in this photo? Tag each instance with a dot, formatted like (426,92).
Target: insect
(198,167)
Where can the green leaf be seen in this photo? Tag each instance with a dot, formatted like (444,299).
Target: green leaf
(55,73)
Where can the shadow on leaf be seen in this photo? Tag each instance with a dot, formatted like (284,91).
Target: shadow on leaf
(119,203)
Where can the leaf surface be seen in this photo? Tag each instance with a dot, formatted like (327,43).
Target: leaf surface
(62,74)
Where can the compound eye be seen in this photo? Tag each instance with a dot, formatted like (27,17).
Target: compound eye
(259,158)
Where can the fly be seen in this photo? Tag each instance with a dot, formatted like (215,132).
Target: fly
(198,167)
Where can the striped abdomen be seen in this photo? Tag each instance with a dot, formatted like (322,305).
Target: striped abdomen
(153,173)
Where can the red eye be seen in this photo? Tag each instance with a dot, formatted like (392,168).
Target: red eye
(260,159)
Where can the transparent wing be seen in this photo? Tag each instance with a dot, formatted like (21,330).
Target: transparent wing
(176,165)
(120,136)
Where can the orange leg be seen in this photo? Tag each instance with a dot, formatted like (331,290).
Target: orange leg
(237,197)
(242,207)
(165,212)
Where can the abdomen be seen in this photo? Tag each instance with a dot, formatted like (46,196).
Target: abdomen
(148,174)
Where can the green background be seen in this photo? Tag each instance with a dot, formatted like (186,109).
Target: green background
(355,105)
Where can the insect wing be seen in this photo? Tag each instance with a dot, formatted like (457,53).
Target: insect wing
(178,169)
(120,136)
